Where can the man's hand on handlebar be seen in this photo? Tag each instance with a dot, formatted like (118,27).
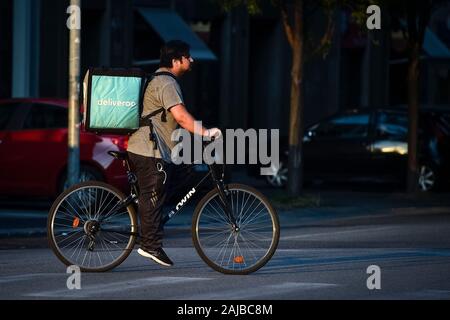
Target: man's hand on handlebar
(214,133)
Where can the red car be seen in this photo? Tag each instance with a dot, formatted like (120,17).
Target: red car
(33,150)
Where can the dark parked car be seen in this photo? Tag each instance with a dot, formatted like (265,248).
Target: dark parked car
(33,150)
(371,145)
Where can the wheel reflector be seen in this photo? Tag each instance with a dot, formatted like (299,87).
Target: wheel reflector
(76,222)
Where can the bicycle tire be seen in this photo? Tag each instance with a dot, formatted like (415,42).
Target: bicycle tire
(206,253)
(77,218)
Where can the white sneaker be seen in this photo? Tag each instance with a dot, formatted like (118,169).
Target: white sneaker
(157,255)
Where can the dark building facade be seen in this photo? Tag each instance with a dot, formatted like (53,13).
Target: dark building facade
(242,75)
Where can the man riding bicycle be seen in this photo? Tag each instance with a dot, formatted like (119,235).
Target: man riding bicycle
(149,147)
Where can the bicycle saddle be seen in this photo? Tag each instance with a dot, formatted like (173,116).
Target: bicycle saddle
(119,155)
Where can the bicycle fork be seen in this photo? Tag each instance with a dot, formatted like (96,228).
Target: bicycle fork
(223,196)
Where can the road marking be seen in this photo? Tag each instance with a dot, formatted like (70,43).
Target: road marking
(122,286)
(27,277)
(432,294)
(29,214)
(329,234)
(424,294)
(306,258)
(17,232)
(259,291)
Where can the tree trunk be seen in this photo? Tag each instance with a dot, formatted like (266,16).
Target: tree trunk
(413,111)
(295,38)
(295,180)
(418,15)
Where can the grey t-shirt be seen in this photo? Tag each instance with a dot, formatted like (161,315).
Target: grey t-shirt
(162,91)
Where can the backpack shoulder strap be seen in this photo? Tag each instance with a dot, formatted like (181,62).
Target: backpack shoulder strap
(146,120)
(165,73)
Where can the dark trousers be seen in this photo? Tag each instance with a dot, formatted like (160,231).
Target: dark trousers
(152,194)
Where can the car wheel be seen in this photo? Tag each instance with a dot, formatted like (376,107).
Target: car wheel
(278,177)
(87,173)
(427,178)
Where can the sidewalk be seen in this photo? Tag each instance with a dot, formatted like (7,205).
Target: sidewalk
(27,221)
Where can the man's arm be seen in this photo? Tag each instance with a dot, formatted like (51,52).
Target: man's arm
(186,120)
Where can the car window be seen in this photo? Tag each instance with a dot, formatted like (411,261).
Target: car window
(343,127)
(7,110)
(45,116)
(444,124)
(392,125)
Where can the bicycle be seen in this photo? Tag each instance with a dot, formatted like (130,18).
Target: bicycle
(93,225)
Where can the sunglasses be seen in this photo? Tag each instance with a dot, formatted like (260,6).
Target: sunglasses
(189,58)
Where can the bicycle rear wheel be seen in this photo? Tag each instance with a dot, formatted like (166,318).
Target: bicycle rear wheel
(240,249)
(87,226)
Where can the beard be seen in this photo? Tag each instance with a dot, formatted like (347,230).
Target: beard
(189,69)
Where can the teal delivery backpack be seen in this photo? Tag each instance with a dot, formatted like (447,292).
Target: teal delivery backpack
(113,100)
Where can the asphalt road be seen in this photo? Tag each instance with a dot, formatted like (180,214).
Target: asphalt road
(324,253)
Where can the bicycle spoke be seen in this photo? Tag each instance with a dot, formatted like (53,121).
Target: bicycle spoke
(97,212)
(107,248)
(241,215)
(79,244)
(241,249)
(68,245)
(223,249)
(215,234)
(76,224)
(247,243)
(78,216)
(215,218)
(243,206)
(224,213)
(250,214)
(117,214)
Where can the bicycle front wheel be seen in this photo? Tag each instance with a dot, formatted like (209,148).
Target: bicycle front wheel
(244,247)
(89,227)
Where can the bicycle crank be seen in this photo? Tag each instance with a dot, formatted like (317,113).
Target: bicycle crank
(91,227)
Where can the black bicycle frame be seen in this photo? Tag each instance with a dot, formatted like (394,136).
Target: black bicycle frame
(218,181)
(132,198)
